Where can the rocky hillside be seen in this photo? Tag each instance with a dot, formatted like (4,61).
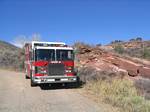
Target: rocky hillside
(95,57)
(95,63)
(11,56)
(134,48)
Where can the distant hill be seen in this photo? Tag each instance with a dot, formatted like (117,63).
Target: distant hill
(134,48)
(11,56)
(131,44)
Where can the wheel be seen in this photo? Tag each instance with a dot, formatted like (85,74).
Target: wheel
(26,74)
(27,77)
(32,83)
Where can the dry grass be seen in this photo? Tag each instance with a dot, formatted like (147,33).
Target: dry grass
(119,93)
(143,86)
(88,74)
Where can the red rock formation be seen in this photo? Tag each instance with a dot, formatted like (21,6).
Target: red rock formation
(101,60)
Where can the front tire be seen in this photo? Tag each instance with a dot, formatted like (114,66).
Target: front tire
(32,83)
(27,77)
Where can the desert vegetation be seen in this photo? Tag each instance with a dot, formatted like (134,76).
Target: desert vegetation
(109,84)
(11,57)
(135,47)
(116,89)
(146,53)
(119,49)
(120,93)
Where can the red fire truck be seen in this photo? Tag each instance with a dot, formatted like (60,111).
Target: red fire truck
(49,62)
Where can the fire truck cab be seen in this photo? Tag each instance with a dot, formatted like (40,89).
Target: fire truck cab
(49,62)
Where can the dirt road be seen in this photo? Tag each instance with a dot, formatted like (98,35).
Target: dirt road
(16,95)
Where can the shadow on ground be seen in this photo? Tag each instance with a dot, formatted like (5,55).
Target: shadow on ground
(59,86)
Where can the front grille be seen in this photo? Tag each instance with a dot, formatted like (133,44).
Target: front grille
(56,69)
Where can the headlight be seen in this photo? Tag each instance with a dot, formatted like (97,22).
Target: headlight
(68,71)
(41,70)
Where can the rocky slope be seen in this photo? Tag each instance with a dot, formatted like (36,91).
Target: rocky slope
(140,49)
(95,63)
(95,57)
(11,56)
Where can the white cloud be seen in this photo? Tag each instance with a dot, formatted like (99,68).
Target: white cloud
(17,44)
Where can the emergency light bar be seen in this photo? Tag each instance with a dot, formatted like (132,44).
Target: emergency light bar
(47,44)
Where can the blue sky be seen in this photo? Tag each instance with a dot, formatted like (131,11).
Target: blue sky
(90,21)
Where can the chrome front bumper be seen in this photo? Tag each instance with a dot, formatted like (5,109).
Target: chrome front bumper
(54,79)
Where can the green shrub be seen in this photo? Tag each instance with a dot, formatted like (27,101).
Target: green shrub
(119,49)
(146,53)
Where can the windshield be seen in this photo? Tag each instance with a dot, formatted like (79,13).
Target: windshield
(45,54)
(63,55)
